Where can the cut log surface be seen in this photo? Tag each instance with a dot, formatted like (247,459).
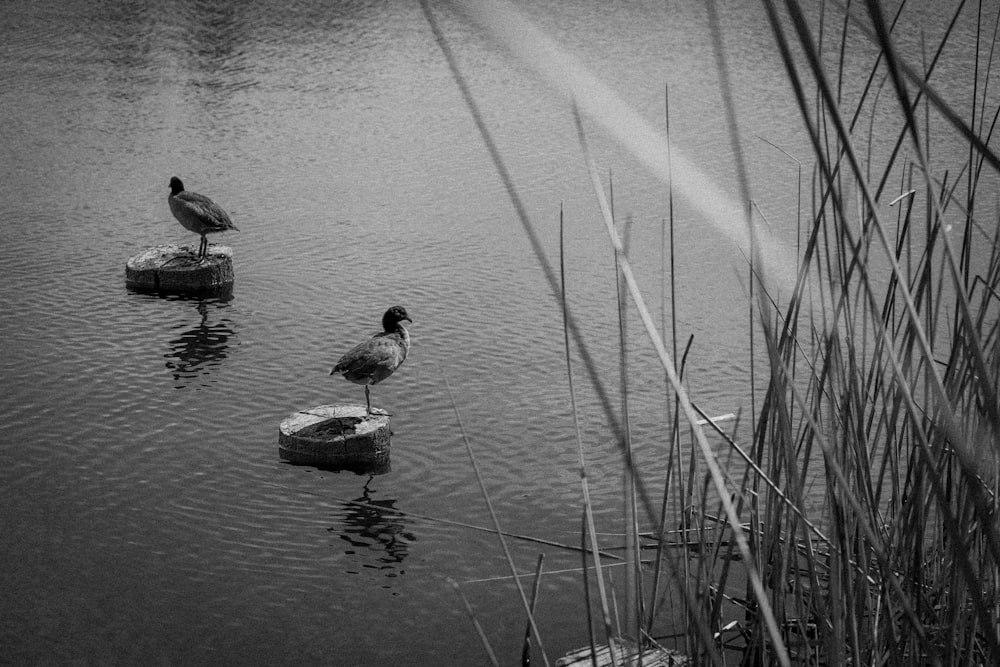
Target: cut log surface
(335,436)
(177,269)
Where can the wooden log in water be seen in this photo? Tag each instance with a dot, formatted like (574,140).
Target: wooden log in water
(176,269)
(336,436)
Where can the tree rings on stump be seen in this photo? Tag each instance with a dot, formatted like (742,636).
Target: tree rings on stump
(178,270)
(336,436)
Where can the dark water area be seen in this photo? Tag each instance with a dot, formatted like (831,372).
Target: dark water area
(146,515)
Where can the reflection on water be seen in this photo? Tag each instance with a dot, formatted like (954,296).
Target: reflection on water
(374,525)
(200,349)
(370,468)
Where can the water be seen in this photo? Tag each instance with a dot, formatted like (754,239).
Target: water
(146,515)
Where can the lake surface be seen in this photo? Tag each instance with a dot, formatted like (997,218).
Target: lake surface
(146,515)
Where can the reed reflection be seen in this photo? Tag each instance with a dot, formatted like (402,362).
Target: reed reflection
(198,350)
(374,525)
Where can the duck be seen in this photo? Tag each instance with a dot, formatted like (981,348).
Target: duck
(197,213)
(377,358)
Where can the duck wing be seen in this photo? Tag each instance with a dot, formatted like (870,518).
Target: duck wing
(372,361)
(207,211)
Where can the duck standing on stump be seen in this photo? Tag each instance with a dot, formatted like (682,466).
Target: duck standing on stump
(197,213)
(375,359)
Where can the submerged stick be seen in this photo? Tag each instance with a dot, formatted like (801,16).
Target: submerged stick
(586,588)
(526,649)
(496,523)
(475,623)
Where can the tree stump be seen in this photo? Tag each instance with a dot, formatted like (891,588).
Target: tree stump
(176,269)
(336,436)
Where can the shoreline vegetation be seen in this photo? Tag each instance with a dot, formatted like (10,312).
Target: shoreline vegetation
(879,345)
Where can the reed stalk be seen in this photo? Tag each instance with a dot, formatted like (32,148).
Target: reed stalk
(590,531)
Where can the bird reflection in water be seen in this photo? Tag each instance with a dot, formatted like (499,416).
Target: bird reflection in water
(199,349)
(374,525)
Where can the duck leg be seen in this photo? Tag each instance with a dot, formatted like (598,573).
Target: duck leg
(373,411)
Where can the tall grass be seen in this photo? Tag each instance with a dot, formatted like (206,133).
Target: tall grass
(881,349)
